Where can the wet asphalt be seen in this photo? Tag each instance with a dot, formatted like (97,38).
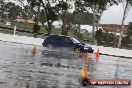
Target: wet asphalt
(58,68)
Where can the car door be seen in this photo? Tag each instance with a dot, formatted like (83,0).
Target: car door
(67,42)
(58,41)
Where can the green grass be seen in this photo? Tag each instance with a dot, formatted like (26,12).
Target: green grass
(4,25)
(86,37)
(28,27)
(71,33)
(19,26)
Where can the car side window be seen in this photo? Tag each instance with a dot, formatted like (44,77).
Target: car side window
(50,38)
(67,40)
(58,39)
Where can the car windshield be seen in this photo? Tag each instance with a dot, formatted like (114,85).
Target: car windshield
(75,40)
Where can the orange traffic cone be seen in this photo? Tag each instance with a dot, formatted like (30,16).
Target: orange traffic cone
(97,55)
(34,51)
(86,59)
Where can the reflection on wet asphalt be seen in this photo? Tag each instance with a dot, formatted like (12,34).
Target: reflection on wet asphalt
(55,69)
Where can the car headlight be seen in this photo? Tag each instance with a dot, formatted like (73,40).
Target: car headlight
(86,48)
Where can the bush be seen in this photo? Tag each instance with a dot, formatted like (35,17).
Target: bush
(105,38)
(99,36)
(87,37)
(36,28)
(126,41)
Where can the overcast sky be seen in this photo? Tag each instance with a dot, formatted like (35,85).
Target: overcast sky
(111,16)
(114,15)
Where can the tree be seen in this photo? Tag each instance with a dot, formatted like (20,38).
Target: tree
(51,16)
(2,9)
(62,7)
(99,36)
(82,18)
(127,4)
(95,6)
(15,11)
(47,10)
(7,7)
(26,14)
(36,29)
(12,10)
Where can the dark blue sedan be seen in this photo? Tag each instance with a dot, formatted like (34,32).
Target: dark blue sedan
(66,41)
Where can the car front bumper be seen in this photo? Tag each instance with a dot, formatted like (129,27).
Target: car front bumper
(89,50)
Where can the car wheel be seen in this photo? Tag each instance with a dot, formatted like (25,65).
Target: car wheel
(50,46)
(77,50)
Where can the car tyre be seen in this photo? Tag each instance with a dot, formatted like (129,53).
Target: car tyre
(50,46)
(77,50)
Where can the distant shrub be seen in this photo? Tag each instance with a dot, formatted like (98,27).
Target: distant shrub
(126,41)
(87,37)
(105,38)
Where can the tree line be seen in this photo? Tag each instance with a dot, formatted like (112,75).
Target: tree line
(51,10)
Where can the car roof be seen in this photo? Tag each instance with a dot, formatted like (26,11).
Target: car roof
(61,36)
